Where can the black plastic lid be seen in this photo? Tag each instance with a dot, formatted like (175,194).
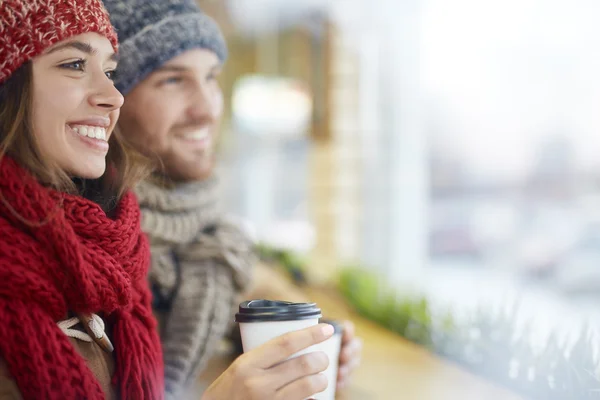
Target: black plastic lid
(270,310)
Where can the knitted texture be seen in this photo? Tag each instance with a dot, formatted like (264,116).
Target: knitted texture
(60,253)
(153,32)
(201,261)
(28,27)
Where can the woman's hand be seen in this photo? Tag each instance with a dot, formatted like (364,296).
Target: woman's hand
(350,354)
(266,372)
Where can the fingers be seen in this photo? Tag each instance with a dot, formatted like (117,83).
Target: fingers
(349,361)
(299,367)
(348,332)
(345,371)
(303,388)
(350,350)
(281,348)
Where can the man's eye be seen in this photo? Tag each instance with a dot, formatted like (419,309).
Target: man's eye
(111,75)
(172,80)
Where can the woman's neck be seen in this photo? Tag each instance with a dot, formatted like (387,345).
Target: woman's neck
(95,190)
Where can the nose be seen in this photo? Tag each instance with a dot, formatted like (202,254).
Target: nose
(105,95)
(206,104)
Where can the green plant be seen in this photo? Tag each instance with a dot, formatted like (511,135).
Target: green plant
(485,343)
(410,317)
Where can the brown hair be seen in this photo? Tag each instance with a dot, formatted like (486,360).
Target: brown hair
(124,165)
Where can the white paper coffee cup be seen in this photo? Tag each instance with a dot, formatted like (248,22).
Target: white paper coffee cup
(331,347)
(263,320)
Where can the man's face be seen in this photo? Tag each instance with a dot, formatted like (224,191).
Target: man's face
(174,115)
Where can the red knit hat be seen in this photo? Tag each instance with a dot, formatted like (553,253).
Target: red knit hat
(28,27)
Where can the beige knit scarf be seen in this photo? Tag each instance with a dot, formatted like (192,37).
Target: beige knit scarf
(201,261)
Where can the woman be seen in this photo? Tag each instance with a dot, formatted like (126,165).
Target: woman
(75,312)
(202,260)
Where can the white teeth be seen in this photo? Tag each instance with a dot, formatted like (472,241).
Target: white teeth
(94,132)
(197,135)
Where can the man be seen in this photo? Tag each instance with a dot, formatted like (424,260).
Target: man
(171,55)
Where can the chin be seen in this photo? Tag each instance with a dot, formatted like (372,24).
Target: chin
(90,171)
(192,173)
(203,173)
(191,176)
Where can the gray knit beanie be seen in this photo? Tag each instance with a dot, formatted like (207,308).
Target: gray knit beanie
(152,32)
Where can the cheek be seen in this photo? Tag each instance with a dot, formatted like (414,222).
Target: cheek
(114,118)
(219,104)
(147,123)
(55,102)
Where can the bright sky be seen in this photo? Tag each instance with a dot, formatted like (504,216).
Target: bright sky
(507,72)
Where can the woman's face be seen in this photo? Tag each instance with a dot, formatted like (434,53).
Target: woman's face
(75,104)
(174,114)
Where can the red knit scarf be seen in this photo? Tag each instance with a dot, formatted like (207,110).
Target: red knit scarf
(80,261)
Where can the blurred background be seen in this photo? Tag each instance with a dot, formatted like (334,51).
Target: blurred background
(451,147)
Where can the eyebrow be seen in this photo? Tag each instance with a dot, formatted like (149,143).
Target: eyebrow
(179,68)
(171,68)
(81,46)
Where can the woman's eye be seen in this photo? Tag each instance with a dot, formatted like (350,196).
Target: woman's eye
(78,65)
